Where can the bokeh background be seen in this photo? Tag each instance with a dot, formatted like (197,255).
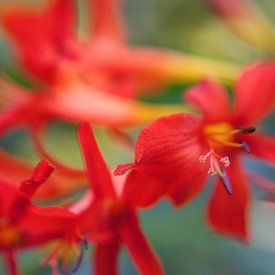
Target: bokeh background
(180,236)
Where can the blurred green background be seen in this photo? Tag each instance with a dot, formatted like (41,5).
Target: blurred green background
(180,236)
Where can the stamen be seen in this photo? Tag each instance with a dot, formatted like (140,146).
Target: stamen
(245,147)
(247,130)
(225,161)
(214,160)
(226,183)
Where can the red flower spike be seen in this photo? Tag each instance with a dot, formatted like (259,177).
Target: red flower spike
(48,31)
(110,220)
(178,149)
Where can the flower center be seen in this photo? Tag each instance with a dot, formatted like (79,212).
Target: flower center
(220,136)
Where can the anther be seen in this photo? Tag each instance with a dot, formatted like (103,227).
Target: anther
(214,160)
(247,130)
(202,159)
(225,161)
(226,183)
(245,147)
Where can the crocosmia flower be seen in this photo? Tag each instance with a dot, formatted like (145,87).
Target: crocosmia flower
(109,217)
(183,149)
(23,224)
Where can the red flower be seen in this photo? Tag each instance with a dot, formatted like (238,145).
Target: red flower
(179,149)
(110,218)
(23,224)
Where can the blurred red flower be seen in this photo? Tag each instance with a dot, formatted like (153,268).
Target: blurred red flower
(23,224)
(109,217)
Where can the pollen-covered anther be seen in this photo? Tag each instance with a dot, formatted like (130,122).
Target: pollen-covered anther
(225,161)
(202,159)
(214,160)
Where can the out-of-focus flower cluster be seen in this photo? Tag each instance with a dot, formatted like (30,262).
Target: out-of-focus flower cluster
(98,79)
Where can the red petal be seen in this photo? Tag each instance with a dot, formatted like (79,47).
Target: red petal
(144,257)
(99,176)
(41,173)
(255,93)
(262,146)
(168,149)
(228,214)
(47,31)
(106,258)
(59,184)
(183,192)
(108,21)
(84,103)
(41,224)
(141,190)
(211,98)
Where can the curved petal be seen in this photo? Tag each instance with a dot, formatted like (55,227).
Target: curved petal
(59,184)
(168,149)
(183,192)
(45,30)
(99,175)
(84,103)
(211,99)
(255,93)
(41,173)
(228,214)
(144,257)
(262,146)
(106,258)
(141,190)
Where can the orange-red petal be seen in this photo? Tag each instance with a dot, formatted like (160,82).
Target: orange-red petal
(255,93)
(262,146)
(140,250)
(99,175)
(229,214)
(211,99)
(141,190)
